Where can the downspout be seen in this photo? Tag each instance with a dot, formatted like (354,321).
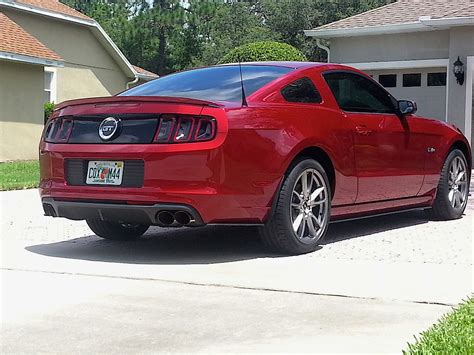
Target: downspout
(324,48)
(134,81)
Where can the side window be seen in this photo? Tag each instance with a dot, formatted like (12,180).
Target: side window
(354,93)
(301,90)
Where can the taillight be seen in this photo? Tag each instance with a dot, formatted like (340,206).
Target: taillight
(177,129)
(58,130)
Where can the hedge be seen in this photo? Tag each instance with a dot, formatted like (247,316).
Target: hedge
(263,51)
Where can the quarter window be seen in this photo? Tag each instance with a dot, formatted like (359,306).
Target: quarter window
(302,90)
(355,93)
(411,80)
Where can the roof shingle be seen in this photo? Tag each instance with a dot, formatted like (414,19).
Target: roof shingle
(14,39)
(54,6)
(405,11)
(144,71)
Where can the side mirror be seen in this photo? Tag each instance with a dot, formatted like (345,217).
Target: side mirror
(407,107)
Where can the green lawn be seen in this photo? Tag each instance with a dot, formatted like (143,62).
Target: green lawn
(453,334)
(19,175)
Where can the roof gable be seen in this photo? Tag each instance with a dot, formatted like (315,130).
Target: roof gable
(15,40)
(57,10)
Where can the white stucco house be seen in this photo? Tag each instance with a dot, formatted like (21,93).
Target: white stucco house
(411,47)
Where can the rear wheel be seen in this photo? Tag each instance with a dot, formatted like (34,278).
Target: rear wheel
(453,188)
(301,216)
(116,230)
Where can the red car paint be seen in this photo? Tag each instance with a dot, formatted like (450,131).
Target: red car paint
(381,162)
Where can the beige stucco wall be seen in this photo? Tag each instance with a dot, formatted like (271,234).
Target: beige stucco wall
(89,70)
(21,110)
(390,47)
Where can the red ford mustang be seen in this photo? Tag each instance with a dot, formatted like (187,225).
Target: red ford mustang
(287,146)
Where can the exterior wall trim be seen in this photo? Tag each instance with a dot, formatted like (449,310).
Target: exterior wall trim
(469,98)
(401,64)
(423,24)
(31,60)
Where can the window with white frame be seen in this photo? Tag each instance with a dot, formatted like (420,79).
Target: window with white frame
(49,84)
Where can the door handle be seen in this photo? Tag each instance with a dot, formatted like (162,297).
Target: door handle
(363,130)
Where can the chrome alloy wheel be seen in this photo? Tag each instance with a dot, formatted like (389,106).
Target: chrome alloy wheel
(457,181)
(309,209)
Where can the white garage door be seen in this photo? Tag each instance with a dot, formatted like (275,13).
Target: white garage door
(426,86)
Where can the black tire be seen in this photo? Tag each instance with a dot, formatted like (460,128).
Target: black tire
(442,208)
(116,230)
(278,234)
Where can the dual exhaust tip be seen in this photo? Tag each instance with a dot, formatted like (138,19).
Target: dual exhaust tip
(167,218)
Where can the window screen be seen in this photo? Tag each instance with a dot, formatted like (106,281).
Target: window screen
(302,90)
(355,93)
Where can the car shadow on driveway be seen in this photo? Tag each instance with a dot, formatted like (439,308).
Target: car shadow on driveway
(207,245)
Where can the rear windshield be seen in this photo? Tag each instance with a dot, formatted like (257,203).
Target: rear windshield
(214,84)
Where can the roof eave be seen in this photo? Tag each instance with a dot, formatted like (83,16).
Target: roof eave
(146,77)
(423,24)
(31,60)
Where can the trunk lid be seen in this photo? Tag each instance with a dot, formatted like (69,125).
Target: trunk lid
(140,117)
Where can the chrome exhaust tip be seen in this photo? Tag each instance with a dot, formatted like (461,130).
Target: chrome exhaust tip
(165,218)
(182,218)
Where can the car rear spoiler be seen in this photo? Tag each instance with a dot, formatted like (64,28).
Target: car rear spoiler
(117,100)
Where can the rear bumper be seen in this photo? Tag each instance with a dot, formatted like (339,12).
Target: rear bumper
(142,214)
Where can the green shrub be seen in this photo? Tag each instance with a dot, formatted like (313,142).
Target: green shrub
(48,110)
(263,51)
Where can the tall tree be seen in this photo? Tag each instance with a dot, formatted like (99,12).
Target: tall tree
(169,35)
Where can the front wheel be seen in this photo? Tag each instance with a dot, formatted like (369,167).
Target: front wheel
(301,216)
(116,230)
(453,188)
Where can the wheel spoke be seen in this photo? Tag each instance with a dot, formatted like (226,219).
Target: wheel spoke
(460,197)
(316,203)
(316,219)
(316,193)
(297,222)
(457,200)
(297,195)
(310,185)
(456,166)
(304,184)
(451,196)
(311,228)
(302,229)
(459,177)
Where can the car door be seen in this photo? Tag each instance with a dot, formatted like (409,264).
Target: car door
(389,153)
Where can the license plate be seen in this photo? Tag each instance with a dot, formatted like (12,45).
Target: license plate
(104,173)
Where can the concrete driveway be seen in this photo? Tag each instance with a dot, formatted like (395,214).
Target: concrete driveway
(372,285)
